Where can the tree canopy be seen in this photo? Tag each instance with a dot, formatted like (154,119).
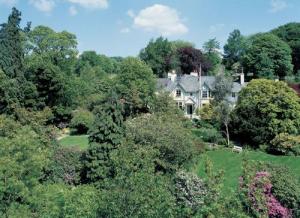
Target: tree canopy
(268,57)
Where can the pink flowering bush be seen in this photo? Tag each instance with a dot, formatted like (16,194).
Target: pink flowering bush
(260,199)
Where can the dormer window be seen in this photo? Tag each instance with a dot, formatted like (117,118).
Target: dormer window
(204,94)
(178,93)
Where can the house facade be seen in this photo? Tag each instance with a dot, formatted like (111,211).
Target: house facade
(191,92)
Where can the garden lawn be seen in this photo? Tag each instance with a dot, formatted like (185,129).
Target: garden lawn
(80,141)
(231,163)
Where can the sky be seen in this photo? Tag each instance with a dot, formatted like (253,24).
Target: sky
(124,27)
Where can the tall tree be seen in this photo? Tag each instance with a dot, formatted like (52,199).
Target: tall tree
(191,59)
(11,50)
(266,108)
(290,33)
(211,51)
(268,57)
(136,85)
(234,49)
(106,135)
(60,47)
(158,55)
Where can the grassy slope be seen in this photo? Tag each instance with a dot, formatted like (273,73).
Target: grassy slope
(79,141)
(231,163)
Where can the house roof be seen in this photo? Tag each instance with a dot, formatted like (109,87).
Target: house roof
(190,83)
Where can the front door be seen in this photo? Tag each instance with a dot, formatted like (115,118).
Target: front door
(189,109)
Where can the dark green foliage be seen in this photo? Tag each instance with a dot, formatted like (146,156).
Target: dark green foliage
(266,108)
(286,188)
(82,121)
(106,135)
(65,166)
(290,33)
(136,191)
(136,86)
(9,94)
(268,57)
(47,79)
(175,146)
(212,54)
(108,124)
(234,49)
(158,55)
(210,135)
(11,50)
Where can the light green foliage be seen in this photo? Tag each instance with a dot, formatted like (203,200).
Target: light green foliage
(285,144)
(175,146)
(165,104)
(234,49)
(22,160)
(100,62)
(136,86)
(265,109)
(59,47)
(136,191)
(82,121)
(61,201)
(290,33)
(268,57)
(158,55)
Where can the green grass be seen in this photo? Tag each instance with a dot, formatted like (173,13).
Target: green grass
(231,164)
(80,141)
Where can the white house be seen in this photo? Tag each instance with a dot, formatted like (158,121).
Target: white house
(192,91)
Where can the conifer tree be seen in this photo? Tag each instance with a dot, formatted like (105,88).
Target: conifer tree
(11,50)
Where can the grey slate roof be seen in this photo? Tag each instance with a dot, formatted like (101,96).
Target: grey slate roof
(191,84)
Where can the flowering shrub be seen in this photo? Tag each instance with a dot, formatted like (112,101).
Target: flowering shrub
(285,144)
(260,198)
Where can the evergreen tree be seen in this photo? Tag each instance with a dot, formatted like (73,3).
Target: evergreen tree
(105,136)
(11,51)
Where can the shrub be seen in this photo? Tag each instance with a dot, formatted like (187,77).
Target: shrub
(285,144)
(210,135)
(190,191)
(265,109)
(286,188)
(170,138)
(82,121)
(65,166)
